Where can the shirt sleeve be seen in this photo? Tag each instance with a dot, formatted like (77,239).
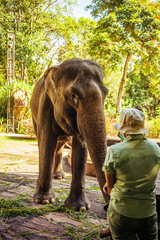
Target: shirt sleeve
(108,165)
(158,155)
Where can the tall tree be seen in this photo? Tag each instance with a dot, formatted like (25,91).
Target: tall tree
(35,26)
(133,26)
(76,35)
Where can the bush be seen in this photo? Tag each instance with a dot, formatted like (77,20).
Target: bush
(110,121)
(24,125)
(153,127)
(3,101)
(3,124)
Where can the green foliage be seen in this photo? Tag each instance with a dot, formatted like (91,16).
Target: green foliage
(2,125)
(47,34)
(138,92)
(20,206)
(3,101)
(76,35)
(14,207)
(37,28)
(111,80)
(25,126)
(25,86)
(128,27)
(153,127)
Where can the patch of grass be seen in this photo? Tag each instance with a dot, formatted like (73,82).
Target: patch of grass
(4,141)
(77,215)
(92,234)
(15,139)
(94,187)
(72,232)
(7,176)
(68,177)
(79,233)
(19,206)
(65,181)
(10,208)
(25,180)
(101,199)
(11,178)
(15,207)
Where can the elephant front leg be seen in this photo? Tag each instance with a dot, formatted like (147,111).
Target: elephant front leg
(77,198)
(47,145)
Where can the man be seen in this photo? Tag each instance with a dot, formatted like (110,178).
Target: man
(131,168)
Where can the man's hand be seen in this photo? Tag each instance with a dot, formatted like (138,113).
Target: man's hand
(106,189)
(110,181)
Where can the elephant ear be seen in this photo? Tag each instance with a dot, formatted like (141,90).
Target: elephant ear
(50,83)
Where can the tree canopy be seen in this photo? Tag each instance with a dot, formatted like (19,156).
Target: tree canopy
(128,32)
(37,26)
(123,37)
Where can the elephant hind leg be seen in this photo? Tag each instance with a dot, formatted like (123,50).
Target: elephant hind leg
(57,170)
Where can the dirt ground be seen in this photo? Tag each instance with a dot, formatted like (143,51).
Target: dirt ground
(21,218)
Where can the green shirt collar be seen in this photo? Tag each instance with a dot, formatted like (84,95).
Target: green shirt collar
(135,137)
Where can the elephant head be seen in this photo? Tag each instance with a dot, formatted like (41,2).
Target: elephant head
(77,93)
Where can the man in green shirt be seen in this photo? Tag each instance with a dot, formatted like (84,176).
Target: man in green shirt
(131,168)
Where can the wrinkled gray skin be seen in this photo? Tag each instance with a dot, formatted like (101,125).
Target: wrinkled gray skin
(68,101)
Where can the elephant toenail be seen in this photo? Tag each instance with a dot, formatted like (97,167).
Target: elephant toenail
(59,178)
(88,207)
(83,209)
(45,202)
(52,200)
(37,201)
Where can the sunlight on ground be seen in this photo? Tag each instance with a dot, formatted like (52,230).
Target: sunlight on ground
(18,155)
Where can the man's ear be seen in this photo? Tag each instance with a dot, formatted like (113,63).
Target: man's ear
(50,84)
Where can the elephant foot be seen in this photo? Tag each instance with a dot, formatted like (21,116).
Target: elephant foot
(80,204)
(41,197)
(58,175)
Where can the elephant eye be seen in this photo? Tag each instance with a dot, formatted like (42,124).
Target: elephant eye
(73,99)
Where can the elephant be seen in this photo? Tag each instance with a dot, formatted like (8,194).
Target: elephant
(68,101)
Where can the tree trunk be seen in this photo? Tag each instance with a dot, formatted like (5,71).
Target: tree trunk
(118,108)
(19,19)
(22,71)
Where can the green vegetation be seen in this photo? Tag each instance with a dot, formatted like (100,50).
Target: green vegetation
(9,141)
(20,207)
(94,187)
(124,37)
(10,208)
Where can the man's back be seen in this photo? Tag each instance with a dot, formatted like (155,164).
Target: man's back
(136,163)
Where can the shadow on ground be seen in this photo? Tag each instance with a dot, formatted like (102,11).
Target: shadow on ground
(21,218)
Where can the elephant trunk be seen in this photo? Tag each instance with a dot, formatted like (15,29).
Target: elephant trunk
(93,128)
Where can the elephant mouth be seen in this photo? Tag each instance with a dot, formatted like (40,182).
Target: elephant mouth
(68,128)
(82,140)
(71,131)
